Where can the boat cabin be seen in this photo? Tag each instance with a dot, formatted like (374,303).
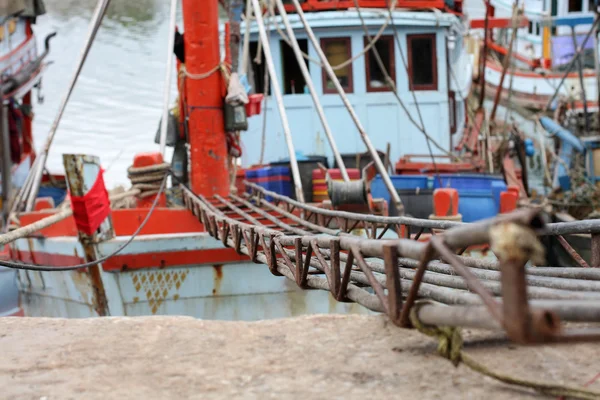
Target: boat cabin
(432,84)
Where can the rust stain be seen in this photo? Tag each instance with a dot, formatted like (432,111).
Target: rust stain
(218,270)
(81,282)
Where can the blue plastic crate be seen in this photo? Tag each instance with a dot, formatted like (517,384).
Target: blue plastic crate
(251,176)
(379,191)
(280,181)
(275,179)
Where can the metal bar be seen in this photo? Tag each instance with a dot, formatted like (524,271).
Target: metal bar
(471,280)
(330,250)
(311,88)
(569,249)
(40,162)
(279,99)
(238,210)
(551,229)
(515,306)
(374,155)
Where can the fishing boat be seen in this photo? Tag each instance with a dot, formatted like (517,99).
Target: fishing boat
(22,65)
(403,67)
(543,69)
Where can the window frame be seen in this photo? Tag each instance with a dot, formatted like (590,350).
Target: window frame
(324,76)
(429,86)
(391,71)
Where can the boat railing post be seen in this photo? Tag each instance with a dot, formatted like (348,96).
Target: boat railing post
(82,173)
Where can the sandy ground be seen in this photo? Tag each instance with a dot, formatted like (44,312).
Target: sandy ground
(313,357)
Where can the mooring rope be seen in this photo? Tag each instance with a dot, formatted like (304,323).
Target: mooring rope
(450,343)
(32,267)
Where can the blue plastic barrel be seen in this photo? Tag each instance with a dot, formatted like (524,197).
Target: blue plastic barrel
(379,191)
(475,205)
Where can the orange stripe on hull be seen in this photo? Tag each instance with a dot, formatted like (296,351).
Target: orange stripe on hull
(172,259)
(163,221)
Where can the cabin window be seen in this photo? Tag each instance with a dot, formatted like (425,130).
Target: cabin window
(422,62)
(293,80)
(591,5)
(257,80)
(575,5)
(376,81)
(338,51)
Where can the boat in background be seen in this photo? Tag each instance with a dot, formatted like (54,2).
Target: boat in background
(21,68)
(542,70)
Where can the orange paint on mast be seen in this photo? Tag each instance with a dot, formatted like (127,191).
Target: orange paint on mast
(208,146)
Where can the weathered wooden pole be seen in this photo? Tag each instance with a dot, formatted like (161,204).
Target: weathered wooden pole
(91,210)
(6,159)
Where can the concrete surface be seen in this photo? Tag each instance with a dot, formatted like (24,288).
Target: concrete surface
(311,357)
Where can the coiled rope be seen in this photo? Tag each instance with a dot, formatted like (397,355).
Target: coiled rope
(148,179)
(450,344)
(31,267)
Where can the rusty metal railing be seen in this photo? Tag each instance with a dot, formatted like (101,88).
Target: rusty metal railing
(395,276)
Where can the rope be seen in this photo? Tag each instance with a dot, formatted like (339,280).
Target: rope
(148,179)
(31,267)
(450,344)
(183,70)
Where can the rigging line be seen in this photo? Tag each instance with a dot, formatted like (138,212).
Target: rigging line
(266,77)
(313,92)
(37,169)
(428,141)
(391,82)
(31,267)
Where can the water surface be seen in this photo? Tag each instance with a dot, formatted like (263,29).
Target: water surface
(116,105)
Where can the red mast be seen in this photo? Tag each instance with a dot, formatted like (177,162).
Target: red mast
(209,173)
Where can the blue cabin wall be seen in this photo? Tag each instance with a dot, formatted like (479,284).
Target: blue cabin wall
(380,113)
